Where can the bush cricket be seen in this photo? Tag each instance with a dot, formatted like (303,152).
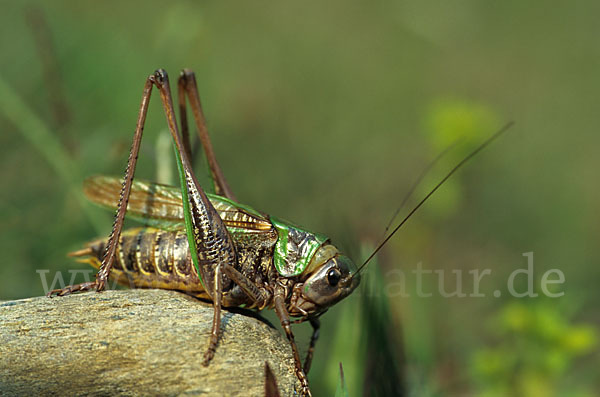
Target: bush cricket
(211,246)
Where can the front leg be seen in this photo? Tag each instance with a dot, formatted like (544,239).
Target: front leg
(284,317)
(316,325)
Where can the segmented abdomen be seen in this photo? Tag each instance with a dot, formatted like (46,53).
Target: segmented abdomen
(149,258)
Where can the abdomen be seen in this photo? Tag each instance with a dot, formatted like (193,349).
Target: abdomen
(149,258)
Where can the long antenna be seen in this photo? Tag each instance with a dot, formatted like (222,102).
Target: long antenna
(440,183)
(416,183)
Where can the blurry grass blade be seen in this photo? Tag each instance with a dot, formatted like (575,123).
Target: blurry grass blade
(382,337)
(36,132)
(341,390)
(46,51)
(39,135)
(164,169)
(271,389)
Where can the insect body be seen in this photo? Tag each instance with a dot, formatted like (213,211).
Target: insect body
(239,255)
(268,251)
(212,246)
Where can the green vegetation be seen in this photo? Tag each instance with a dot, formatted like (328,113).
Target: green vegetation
(536,347)
(325,114)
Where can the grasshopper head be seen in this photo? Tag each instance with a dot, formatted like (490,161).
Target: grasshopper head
(329,278)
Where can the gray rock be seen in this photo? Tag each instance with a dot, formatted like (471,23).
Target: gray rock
(135,342)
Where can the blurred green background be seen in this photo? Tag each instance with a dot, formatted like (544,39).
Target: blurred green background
(325,114)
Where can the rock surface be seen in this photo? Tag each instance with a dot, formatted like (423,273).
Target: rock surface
(135,342)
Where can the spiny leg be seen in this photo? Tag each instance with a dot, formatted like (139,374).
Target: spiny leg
(187,84)
(113,240)
(72,288)
(185,130)
(210,234)
(284,317)
(216,326)
(208,237)
(316,325)
(259,295)
(210,243)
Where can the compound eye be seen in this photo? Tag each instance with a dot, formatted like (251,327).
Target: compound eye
(333,277)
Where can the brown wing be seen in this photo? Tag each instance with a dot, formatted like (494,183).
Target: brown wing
(160,205)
